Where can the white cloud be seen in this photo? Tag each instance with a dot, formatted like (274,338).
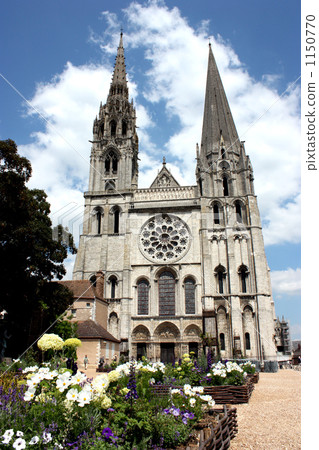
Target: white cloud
(295,331)
(270,124)
(176,55)
(287,282)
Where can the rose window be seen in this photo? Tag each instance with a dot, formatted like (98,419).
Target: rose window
(164,238)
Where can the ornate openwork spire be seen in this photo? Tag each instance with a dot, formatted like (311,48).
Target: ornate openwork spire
(119,82)
(218,121)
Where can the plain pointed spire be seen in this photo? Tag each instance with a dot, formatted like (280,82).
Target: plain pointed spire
(218,121)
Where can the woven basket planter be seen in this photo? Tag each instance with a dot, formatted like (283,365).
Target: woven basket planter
(222,395)
(254,377)
(230,394)
(217,434)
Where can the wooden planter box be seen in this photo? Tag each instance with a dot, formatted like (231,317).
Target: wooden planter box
(217,434)
(254,378)
(221,394)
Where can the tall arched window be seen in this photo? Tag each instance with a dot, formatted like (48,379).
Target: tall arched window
(220,273)
(166,294)
(247,341)
(223,152)
(142,297)
(111,163)
(99,221)
(243,275)
(239,213)
(225,187)
(124,128)
(189,296)
(93,280)
(222,341)
(113,127)
(216,214)
(116,221)
(113,282)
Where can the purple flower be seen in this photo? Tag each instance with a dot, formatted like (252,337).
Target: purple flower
(108,434)
(176,412)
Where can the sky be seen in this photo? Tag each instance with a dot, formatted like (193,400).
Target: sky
(56,65)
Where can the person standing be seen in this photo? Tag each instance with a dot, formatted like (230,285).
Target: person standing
(86,362)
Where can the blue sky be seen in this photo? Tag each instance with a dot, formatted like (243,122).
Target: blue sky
(59,56)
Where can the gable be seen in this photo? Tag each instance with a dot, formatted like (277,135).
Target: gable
(164,179)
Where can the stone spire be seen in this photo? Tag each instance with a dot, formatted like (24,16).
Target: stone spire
(218,123)
(119,82)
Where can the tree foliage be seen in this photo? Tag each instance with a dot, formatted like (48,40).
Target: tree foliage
(31,253)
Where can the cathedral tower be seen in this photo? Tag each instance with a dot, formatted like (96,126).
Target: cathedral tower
(115,143)
(182,265)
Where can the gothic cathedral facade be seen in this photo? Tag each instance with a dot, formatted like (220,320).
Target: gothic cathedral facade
(183,266)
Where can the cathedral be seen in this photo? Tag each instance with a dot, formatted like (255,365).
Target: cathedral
(180,268)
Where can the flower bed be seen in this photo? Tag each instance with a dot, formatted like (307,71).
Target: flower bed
(54,409)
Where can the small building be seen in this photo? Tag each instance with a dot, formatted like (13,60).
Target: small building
(90,311)
(283,340)
(296,353)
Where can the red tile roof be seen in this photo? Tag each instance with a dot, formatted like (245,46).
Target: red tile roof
(81,288)
(90,329)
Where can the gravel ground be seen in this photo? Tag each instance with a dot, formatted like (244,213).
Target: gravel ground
(272,418)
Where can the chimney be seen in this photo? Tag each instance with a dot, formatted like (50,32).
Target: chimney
(100,284)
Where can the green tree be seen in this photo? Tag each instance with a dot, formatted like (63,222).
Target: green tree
(31,255)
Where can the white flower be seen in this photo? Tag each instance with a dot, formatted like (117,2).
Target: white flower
(84,397)
(8,433)
(16,360)
(34,440)
(19,433)
(6,440)
(192,402)
(198,389)
(205,398)
(63,381)
(78,378)
(34,381)
(72,395)
(101,382)
(30,369)
(46,437)
(29,395)
(19,443)
(175,391)
(211,403)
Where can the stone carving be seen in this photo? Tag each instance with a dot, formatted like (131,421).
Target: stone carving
(163,194)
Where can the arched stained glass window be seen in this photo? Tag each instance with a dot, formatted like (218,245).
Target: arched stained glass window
(189,296)
(166,294)
(142,297)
